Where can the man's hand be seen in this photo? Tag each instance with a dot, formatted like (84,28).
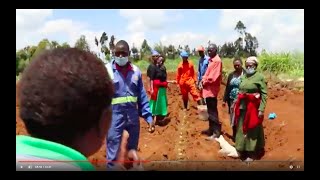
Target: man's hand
(200,85)
(261,114)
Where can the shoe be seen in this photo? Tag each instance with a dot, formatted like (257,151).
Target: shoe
(207,132)
(212,137)
(248,159)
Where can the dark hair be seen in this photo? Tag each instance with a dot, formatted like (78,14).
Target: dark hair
(63,93)
(237,59)
(124,43)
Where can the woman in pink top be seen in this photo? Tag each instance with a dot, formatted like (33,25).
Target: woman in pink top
(211,85)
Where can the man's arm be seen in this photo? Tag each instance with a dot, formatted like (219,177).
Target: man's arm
(178,74)
(143,103)
(215,72)
(199,74)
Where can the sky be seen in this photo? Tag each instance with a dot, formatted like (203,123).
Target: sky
(276,30)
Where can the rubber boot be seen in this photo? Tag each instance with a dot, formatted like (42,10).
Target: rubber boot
(199,102)
(185,105)
(203,102)
(234,133)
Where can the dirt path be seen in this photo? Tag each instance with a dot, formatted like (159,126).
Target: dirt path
(180,139)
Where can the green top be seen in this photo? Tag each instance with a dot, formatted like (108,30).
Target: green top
(253,84)
(26,145)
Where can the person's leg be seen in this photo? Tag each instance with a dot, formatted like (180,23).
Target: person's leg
(133,129)
(234,129)
(210,104)
(214,124)
(215,118)
(184,93)
(114,137)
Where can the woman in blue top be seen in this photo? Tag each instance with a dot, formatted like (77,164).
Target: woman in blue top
(232,89)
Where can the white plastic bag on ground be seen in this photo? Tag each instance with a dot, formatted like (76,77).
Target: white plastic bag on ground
(226,148)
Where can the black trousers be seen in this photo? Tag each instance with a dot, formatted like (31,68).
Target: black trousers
(214,123)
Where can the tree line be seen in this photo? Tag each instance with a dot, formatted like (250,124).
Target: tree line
(244,46)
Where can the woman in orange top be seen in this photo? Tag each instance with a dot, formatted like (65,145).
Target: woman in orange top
(186,78)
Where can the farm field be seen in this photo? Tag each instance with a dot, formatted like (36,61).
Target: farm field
(180,139)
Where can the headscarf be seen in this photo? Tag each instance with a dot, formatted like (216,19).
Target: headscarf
(252,59)
(184,54)
(155,53)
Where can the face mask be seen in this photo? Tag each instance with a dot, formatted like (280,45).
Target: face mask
(121,61)
(250,70)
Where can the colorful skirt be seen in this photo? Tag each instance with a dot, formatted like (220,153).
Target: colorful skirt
(159,107)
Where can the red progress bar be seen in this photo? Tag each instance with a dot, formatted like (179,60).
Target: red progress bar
(98,161)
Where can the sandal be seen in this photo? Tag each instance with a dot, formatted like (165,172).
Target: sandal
(151,129)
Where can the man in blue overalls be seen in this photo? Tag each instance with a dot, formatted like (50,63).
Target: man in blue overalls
(129,102)
(202,67)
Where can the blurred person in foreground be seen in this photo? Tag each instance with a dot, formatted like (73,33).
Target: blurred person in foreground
(65,103)
(128,159)
(202,68)
(186,78)
(249,112)
(129,102)
(158,101)
(211,82)
(231,91)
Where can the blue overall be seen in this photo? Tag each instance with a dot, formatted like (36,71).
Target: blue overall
(129,102)
(202,67)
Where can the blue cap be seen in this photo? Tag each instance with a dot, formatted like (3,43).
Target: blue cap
(184,54)
(155,53)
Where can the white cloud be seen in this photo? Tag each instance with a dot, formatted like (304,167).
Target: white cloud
(147,20)
(33,26)
(143,19)
(187,38)
(72,29)
(276,30)
(27,23)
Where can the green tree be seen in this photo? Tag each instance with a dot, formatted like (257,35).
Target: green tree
(187,49)
(251,44)
(82,44)
(43,45)
(54,44)
(65,45)
(135,53)
(111,44)
(145,47)
(171,52)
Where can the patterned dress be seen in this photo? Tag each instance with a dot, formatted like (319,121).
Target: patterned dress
(234,85)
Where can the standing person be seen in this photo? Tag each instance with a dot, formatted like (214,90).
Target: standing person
(129,102)
(202,68)
(153,61)
(158,101)
(186,78)
(249,111)
(211,86)
(231,91)
(65,103)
